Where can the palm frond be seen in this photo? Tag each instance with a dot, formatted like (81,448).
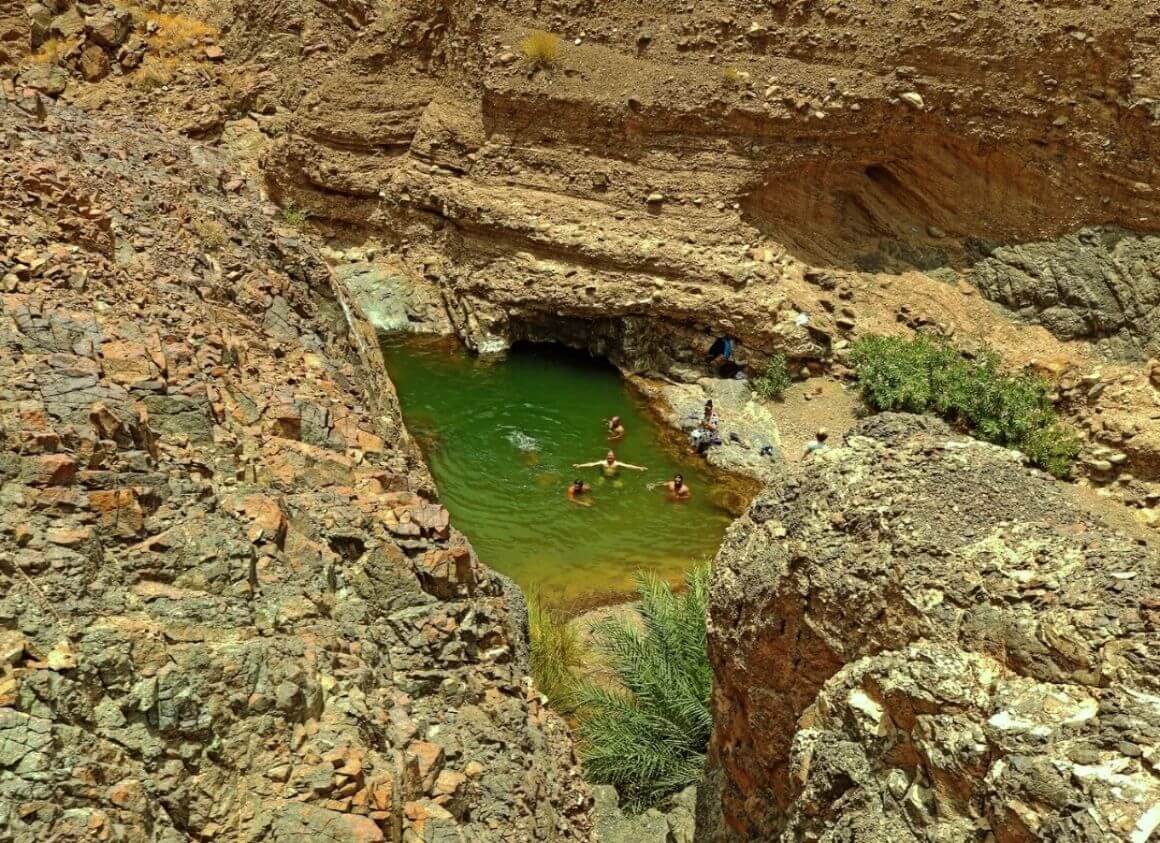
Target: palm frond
(649,735)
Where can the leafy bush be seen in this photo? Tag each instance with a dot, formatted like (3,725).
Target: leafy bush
(541,49)
(557,654)
(774,382)
(293,216)
(921,375)
(648,734)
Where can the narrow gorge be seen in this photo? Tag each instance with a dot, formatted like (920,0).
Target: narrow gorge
(309,309)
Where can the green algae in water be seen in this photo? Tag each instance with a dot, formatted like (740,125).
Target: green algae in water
(500,437)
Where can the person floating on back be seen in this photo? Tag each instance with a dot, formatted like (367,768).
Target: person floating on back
(610,465)
(578,491)
(818,443)
(615,428)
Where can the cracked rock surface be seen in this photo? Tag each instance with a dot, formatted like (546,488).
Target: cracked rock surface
(915,637)
(231,607)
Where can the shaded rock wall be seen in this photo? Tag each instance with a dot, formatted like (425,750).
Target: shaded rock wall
(916,636)
(1102,284)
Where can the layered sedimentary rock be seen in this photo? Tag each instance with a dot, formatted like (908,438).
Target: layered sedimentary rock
(725,167)
(915,637)
(658,149)
(231,606)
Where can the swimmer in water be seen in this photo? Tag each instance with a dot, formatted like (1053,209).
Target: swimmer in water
(615,428)
(610,465)
(577,491)
(676,489)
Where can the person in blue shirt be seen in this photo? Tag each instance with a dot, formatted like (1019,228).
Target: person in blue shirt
(722,347)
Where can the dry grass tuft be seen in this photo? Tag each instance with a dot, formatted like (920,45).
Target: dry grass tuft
(211,232)
(172,33)
(154,73)
(541,49)
(50,52)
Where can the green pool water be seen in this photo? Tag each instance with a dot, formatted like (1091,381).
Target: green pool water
(500,437)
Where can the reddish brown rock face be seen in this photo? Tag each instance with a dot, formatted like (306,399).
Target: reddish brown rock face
(916,635)
(230,606)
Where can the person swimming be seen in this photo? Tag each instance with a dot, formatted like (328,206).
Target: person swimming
(610,465)
(615,428)
(577,490)
(678,489)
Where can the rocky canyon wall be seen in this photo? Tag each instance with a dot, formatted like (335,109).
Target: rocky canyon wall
(914,637)
(231,606)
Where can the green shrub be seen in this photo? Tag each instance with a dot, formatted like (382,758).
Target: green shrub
(647,733)
(921,375)
(541,49)
(557,654)
(775,381)
(294,216)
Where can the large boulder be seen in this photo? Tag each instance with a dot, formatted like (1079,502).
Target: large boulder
(915,637)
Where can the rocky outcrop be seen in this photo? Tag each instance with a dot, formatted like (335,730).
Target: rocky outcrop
(231,606)
(915,637)
(1099,284)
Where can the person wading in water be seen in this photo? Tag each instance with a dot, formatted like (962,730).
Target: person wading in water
(610,465)
(677,489)
(615,428)
(577,492)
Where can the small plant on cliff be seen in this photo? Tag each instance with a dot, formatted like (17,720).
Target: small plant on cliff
(733,78)
(541,49)
(557,654)
(211,232)
(775,380)
(921,375)
(647,733)
(293,216)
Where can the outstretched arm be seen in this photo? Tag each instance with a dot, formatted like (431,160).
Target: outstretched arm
(587,464)
(630,465)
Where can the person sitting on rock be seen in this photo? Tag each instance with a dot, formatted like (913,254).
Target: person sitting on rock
(610,465)
(615,428)
(818,443)
(577,491)
(710,421)
(699,440)
(722,349)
